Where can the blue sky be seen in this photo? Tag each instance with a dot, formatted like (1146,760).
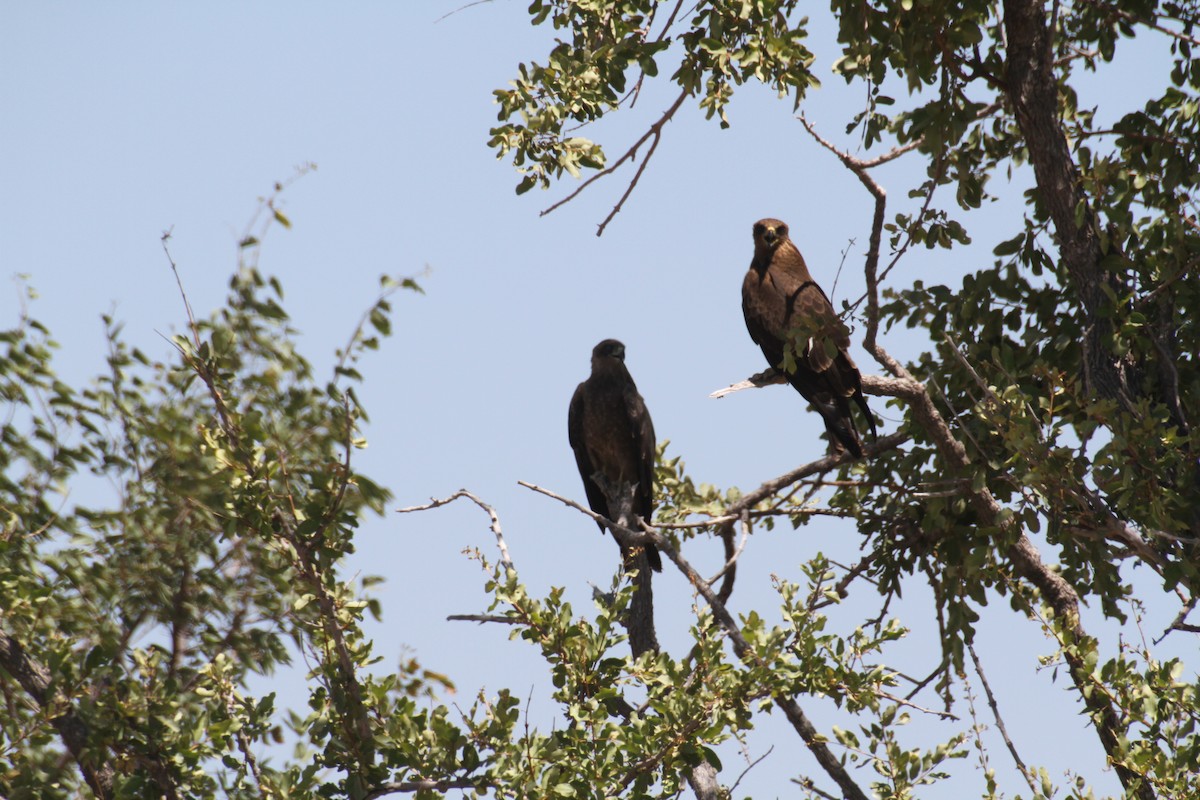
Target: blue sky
(123,121)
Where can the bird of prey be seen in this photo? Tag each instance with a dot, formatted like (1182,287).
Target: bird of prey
(794,323)
(613,438)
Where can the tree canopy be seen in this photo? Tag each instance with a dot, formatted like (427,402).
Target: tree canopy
(1044,457)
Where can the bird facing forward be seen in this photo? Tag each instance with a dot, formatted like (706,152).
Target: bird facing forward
(610,431)
(794,323)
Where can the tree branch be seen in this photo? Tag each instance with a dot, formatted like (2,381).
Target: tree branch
(815,741)
(35,679)
(991,698)
(1024,556)
(1032,90)
(405,787)
(491,512)
(655,132)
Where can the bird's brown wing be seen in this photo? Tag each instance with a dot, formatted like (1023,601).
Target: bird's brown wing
(576,435)
(641,429)
(785,308)
(765,311)
(827,334)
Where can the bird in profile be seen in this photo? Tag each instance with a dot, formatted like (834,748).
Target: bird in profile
(794,323)
(610,431)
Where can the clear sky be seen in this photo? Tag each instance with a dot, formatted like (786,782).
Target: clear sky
(121,121)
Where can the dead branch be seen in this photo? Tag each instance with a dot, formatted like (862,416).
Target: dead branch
(991,698)
(753,498)
(633,536)
(1180,621)
(655,132)
(768,377)
(491,512)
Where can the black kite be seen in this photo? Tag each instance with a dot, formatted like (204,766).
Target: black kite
(794,323)
(611,433)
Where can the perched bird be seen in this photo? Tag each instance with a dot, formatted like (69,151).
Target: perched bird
(794,323)
(611,433)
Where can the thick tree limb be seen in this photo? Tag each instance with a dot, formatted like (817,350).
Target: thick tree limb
(1022,553)
(34,678)
(1032,89)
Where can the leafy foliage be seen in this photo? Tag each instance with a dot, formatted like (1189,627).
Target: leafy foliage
(1056,402)
(213,497)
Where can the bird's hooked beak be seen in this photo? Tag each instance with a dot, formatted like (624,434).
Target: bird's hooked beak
(771,236)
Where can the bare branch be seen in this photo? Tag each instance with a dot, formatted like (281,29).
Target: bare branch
(731,561)
(481,618)
(751,499)
(634,536)
(491,512)
(858,163)
(749,767)
(900,701)
(1024,770)
(655,132)
(459,9)
(1179,623)
(807,784)
(768,377)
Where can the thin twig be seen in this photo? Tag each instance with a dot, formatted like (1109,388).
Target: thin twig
(725,519)
(900,701)
(731,562)
(635,537)
(807,783)
(491,512)
(481,618)
(408,787)
(654,131)
(460,8)
(749,767)
(1024,770)
(1179,623)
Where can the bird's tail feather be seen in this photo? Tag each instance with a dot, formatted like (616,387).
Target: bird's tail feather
(841,427)
(861,400)
(654,558)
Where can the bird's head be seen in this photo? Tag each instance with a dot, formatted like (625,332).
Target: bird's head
(609,348)
(769,234)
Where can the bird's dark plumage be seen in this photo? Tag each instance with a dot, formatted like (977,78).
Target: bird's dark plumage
(611,433)
(794,323)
